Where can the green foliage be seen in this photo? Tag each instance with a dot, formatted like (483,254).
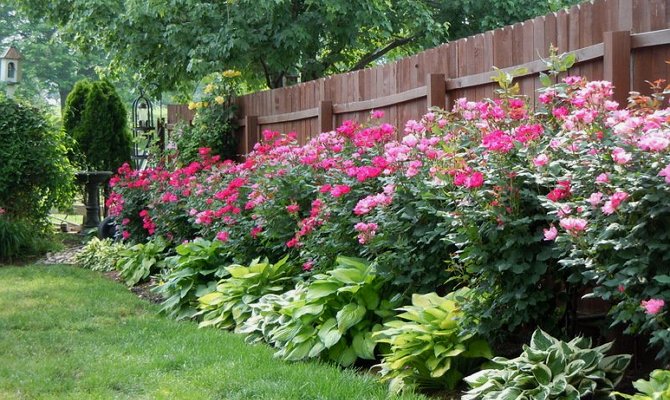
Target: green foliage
(427,347)
(228,306)
(550,369)
(271,39)
(35,174)
(656,388)
(331,317)
(215,123)
(19,240)
(99,255)
(141,260)
(50,65)
(95,117)
(191,273)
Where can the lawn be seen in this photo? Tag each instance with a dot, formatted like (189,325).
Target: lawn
(68,333)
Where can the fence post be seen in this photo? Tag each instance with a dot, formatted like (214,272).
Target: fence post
(325,116)
(436,86)
(250,133)
(616,63)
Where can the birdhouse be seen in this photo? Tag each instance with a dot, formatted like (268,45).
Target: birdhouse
(10,71)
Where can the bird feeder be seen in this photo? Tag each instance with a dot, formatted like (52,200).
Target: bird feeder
(10,71)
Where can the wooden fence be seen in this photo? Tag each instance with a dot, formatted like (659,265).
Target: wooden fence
(623,41)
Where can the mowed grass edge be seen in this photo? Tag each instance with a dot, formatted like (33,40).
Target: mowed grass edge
(69,333)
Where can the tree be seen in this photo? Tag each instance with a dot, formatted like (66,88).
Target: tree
(94,116)
(171,44)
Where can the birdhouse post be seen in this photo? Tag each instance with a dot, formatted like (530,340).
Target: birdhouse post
(10,69)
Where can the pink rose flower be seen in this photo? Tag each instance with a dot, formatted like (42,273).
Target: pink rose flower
(620,156)
(573,225)
(223,236)
(340,190)
(550,234)
(665,172)
(653,306)
(541,160)
(377,114)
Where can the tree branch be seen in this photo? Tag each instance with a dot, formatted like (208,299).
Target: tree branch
(373,55)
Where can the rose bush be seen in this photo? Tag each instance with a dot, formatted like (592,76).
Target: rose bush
(525,208)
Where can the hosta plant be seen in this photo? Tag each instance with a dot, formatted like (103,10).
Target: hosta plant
(656,388)
(99,255)
(139,261)
(193,272)
(427,345)
(333,317)
(550,369)
(228,306)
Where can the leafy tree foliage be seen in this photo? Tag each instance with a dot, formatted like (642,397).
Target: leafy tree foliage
(173,43)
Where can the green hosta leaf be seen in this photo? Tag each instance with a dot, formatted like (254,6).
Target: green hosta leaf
(542,374)
(541,340)
(575,367)
(556,361)
(237,271)
(300,351)
(370,297)
(534,355)
(364,346)
(211,299)
(349,275)
(345,356)
(615,364)
(478,348)
(319,289)
(310,309)
(329,334)
(349,315)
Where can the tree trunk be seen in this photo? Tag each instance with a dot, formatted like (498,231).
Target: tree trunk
(63,92)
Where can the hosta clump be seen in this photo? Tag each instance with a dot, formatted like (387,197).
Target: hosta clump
(99,255)
(139,261)
(550,369)
(332,317)
(193,272)
(228,306)
(427,346)
(656,388)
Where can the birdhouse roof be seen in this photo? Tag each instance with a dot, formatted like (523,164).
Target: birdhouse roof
(11,53)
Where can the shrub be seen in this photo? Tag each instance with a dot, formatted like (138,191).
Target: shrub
(193,272)
(427,346)
(228,306)
(551,369)
(656,388)
(333,316)
(18,239)
(141,260)
(214,124)
(95,117)
(99,255)
(35,174)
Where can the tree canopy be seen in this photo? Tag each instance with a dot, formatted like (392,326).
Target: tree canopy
(172,43)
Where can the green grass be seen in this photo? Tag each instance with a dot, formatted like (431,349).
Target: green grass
(68,333)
